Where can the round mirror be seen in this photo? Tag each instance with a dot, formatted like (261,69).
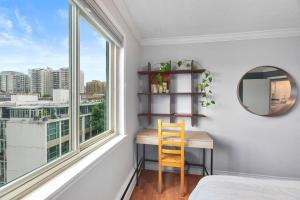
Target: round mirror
(267,91)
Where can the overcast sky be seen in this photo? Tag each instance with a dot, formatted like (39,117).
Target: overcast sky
(34,34)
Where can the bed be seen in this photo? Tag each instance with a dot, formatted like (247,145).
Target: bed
(221,187)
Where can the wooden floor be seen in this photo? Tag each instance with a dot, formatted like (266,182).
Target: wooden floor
(147,188)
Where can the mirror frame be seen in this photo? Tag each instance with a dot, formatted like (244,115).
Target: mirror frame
(292,98)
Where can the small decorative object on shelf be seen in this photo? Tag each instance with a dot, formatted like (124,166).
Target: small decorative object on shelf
(205,89)
(164,86)
(154,89)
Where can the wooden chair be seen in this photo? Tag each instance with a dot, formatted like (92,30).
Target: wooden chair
(169,157)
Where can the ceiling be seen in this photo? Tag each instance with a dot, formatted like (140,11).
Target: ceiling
(181,18)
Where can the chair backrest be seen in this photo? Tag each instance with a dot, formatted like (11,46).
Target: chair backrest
(171,135)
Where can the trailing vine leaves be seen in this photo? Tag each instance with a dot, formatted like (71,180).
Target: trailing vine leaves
(205,89)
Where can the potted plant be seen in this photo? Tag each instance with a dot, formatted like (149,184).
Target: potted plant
(160,80)
(205,89)
(165,67)
(186,65)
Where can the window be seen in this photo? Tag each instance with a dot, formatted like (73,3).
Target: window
(36,35)
(64,127)
(53,153)
(52,131)
(93,61)
(65,147)
(42,131)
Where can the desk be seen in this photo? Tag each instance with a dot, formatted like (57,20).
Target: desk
(193,139)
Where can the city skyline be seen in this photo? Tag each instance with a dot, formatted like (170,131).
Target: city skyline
(31,38)
(43,81)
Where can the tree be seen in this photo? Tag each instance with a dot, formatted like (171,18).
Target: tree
(98,117)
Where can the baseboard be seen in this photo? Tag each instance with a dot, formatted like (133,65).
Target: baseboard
(198,171)
(124,186)
(127,194)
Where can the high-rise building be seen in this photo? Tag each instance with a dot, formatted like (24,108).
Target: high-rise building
(56,79)
(95,87)
(42,81)
(64,78)
(14,82)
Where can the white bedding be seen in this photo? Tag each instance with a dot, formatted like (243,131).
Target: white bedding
(219,187)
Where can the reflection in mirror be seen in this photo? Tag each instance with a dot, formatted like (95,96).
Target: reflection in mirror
(267,91)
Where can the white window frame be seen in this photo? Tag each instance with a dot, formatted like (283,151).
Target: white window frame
(26,183)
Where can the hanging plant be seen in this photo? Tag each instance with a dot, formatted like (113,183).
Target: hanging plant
(205,88)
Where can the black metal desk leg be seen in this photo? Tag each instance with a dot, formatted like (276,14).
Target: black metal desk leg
(137,164)
(203,162)
(211,161)
(144,156)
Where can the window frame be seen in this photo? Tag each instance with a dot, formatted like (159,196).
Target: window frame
(111,65)
(29,181)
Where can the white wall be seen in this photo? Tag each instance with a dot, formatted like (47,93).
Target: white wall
(244,143)
(106,177)
(26,147)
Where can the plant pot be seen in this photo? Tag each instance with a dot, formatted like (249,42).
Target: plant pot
(165,87)
(160,89)
(154,88)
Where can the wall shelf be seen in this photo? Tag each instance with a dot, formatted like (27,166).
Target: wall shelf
(171,93)
(171,115)
(194,95)
(195,71)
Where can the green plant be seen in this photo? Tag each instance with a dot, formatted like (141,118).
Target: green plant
(98,117)
(186,63)
(165,67)
(205,89)
(159,78)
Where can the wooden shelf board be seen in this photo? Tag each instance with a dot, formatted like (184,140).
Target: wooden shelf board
(196,71)
(172,93)
(173,114)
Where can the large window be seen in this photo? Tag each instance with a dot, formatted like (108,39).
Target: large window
(34,78)
(46,92)
(93,62)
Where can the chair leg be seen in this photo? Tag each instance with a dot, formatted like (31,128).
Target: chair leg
(182,181)
(159,179)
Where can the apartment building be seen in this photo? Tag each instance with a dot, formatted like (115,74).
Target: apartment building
(46,122)
(14,82)
(41,81)
(95,87)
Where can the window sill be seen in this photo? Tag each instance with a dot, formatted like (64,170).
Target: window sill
(60,182)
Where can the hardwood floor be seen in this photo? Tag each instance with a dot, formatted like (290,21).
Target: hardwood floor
(147,188)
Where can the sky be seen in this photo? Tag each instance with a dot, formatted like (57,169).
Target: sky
(34,34)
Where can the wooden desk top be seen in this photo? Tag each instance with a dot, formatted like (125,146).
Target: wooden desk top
(193,139)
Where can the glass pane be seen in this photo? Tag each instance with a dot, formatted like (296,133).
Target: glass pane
(34,85)
(94,85)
